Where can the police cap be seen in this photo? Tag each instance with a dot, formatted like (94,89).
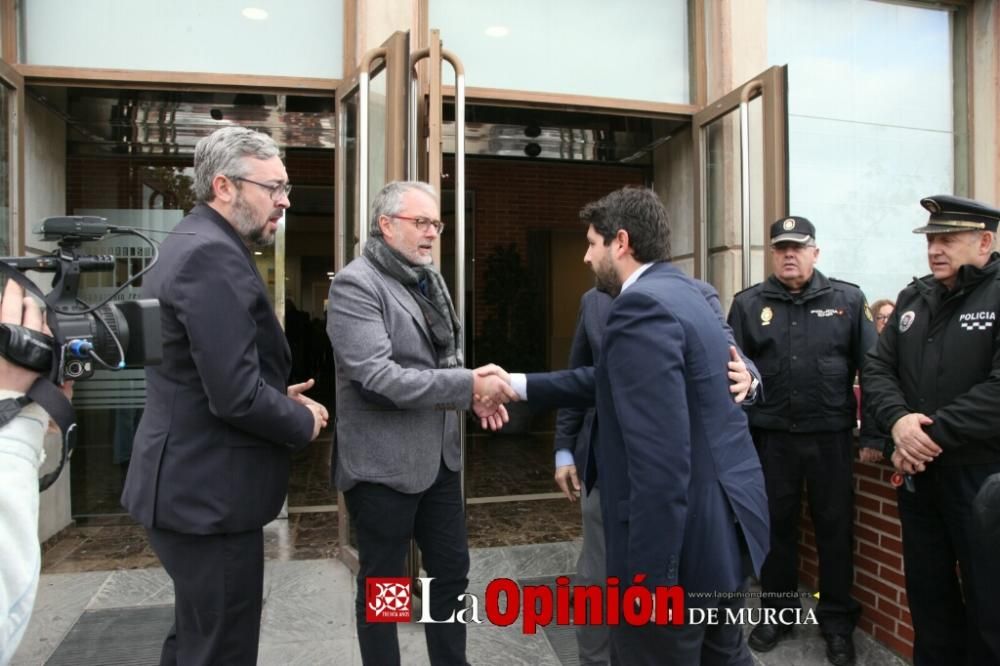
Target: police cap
(950,214)
(793,229)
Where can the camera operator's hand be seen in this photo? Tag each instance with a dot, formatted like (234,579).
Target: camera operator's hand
(19,310)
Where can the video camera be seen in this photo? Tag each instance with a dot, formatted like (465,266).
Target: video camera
(128,332)
(115,336)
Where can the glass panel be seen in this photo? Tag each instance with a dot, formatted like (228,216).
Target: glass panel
(302,38)
(349,117)
(308,254)
(376,133)
(758,225)
(723,192)
(110,404)
(153,192)
(6,102)
(724,200)
(601,49)
(870,129)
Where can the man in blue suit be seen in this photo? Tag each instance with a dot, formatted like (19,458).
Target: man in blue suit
(574,431)
(682,492)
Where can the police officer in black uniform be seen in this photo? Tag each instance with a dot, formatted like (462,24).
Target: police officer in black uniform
(933,380)
(808,335)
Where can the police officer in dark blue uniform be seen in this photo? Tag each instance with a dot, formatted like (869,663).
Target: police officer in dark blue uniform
(808,335)
(933,380)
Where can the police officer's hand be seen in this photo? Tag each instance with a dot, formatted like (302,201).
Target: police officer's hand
(901,465)
(739,377)
(914,446)
(568,482)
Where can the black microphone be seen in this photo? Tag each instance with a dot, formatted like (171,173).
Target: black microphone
(83,227)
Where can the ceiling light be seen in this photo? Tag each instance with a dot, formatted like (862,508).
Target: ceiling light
(254,14)
(258,253)
(497,31)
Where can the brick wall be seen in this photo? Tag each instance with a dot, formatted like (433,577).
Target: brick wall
(878,563)
(112,182)
(514,198)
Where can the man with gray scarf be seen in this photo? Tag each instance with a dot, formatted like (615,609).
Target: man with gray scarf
(400,381)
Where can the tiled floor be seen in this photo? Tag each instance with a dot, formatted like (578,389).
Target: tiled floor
(308,612)
(102,544)
(104,561)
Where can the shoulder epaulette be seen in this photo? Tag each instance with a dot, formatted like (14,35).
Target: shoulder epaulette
(753,286)
(849,284)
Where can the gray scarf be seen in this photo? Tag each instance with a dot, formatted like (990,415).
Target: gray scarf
(430,293)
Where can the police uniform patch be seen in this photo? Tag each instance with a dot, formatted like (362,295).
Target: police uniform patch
(906,321)
(977,321)
(788,224)
(868,313)
(766,315)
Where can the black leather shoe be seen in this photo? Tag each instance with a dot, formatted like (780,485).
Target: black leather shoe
(765,637)
(840,649)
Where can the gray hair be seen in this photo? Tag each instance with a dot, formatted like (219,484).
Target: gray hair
(389,200)
(224,152)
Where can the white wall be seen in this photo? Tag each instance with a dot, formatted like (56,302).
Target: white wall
(45,195)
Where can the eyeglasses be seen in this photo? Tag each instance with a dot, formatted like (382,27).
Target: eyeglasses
(275,190)
(423,222)
(882,317)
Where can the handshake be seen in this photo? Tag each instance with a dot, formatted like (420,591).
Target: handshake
(491,390)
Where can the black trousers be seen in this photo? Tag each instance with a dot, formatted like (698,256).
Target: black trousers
(823,460)
(695,644)
(950,617)
(218,586)
(719,644)
(385,520)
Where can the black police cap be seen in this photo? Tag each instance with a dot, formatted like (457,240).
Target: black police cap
(792,229)
(950,214)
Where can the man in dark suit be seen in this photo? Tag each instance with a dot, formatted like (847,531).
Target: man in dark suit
(682,493)
(211,456)
(573,436)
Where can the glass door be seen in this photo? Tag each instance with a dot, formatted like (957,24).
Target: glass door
(389,128)
(741,181)
(372,115)
(11,160)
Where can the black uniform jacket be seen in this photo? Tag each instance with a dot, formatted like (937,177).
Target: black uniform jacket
(808,347)
(939,355)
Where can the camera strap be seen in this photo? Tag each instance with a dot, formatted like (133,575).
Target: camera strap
(61,411)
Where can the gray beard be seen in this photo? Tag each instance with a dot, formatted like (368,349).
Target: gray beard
(251,232)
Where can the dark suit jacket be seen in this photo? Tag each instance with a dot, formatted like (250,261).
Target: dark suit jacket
(681,485)
(574,424)
(211,454)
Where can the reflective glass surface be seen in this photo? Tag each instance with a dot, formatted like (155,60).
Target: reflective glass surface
(563,46)
(301,38)
(6,101)
(870,129)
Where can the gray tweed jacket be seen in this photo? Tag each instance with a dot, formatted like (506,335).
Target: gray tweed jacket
(397,412)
